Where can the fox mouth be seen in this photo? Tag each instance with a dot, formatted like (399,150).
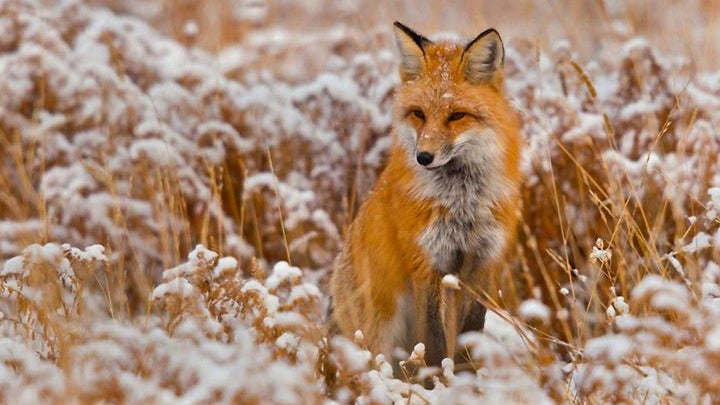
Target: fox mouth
(449,164)
(446,157)
(443,157)
(431,168)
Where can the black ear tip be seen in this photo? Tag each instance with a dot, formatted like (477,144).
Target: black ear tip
(491,31)
(403,27)
(420,40)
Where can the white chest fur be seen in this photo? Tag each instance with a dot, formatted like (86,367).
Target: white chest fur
(468,188)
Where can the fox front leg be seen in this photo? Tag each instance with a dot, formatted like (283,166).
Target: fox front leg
(452,311)
(472,315)
(429,319)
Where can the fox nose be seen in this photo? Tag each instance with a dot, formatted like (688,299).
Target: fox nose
(425,158)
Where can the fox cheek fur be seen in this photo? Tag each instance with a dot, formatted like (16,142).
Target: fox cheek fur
(445,203)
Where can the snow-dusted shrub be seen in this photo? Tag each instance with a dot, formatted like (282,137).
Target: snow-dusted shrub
(621,149)
(113,133)
(218,337)
(122,135)
(666,348)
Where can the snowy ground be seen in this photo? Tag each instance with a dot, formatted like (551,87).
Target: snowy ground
(153,190)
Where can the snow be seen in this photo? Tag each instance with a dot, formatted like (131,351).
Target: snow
(283,273)
(124,149)
(207,371)
(451,281)
(663,294)
(614,347)
(534,309)
(599,253)
(352,357)
(304,292)
(40,380)
(288,341)
(14,266)
(200,255)
(502,327)
(191,29)
(713,211)
(270,302)
(418,353)
(179,286)
(250,10)
(712,339)
(617,308)
(225,265)
(700,241)
(711,281)
(91,253)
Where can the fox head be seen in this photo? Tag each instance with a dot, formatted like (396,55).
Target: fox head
(450,105)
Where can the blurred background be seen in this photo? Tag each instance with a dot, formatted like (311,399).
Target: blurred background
(690,28)
(131,132)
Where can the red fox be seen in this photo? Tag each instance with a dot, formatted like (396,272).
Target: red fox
(445,204)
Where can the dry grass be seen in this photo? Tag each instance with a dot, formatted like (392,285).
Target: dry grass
(259,137)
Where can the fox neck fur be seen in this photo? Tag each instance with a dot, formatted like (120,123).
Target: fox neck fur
(465,192)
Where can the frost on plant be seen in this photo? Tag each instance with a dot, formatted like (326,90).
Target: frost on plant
(168,214)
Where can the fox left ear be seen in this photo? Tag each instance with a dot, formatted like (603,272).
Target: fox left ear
(484,57)
(412,51)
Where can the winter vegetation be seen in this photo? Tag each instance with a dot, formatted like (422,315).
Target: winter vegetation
(177,177)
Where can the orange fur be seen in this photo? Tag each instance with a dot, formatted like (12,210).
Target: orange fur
(384,282)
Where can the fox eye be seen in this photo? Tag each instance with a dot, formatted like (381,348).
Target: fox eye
(418,113)
(456,116)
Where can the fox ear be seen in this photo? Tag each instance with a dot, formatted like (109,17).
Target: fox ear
(484,57)
(412,51)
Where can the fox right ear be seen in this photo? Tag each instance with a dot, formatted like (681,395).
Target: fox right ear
(412,51)
(484,57)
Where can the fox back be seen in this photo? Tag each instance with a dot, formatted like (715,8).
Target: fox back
(446,202)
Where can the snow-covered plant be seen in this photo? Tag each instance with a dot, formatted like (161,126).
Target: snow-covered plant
(209,190)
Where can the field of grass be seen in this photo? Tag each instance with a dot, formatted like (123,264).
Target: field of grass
(177,177)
